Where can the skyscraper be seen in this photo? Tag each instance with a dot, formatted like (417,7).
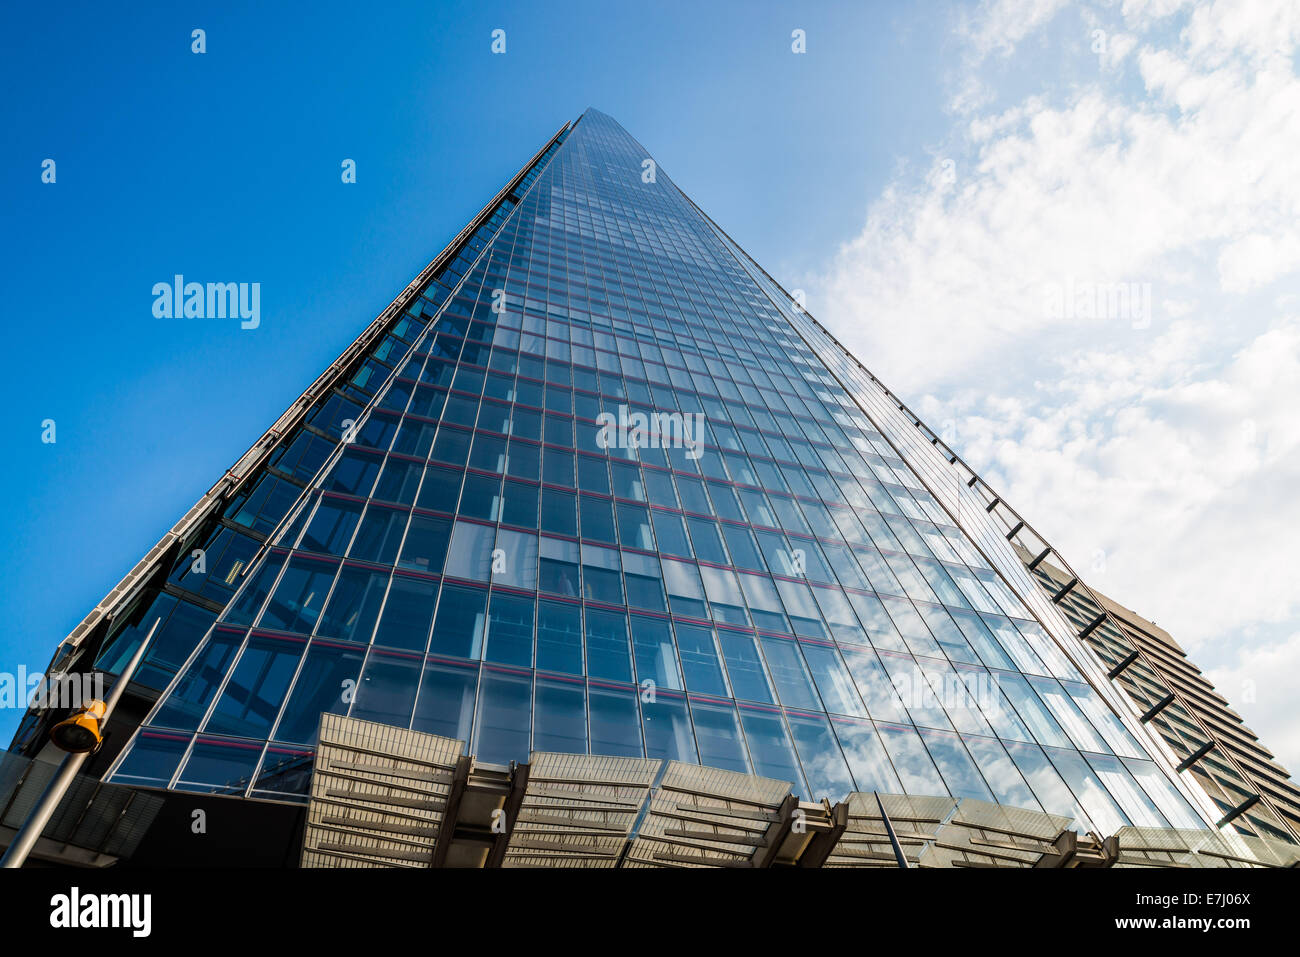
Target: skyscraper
(595,484)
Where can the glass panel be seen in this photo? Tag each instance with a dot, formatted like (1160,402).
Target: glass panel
(253,695)
(667,726)
(788,672)
(717,730)
(958,770)
(1047,785)
(189,698)
(769,746)
(1000,773)
(866,755)
(832,680)
(510,630)
(501,729)
(387,690)
(607,646)
(470,552)
(875,685)
(1087,787)
(656,659)
(217,766)
(560,716)
(745,667)
(446,702)
(326,683)
(458,629)
(354,604)
(823,764)
(153,759)
(426,543)
(700,663)
(407,613)
(245,607)
(615,721)
(559,637)
(911,760)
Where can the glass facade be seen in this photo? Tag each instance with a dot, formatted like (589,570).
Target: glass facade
(615,493)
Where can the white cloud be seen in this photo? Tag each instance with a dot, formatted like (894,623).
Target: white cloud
(1170,444)
(1257,260)
(1001,24)
(1260,686)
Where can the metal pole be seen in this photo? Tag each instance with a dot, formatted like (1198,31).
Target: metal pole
(40,815)
(893,838)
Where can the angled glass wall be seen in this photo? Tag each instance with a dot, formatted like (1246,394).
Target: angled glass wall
(755,580)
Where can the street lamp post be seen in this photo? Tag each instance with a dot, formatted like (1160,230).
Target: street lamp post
(80,736)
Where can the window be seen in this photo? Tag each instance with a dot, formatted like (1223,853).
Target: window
(559,716)
(557,467)
(593,476)
(386,692)
(331,527)
(220,767)
(707,542)
(769,746)
(299,595)
(823,763)
(558,566)
(866,756)
(520,507)
(667,727)
(634,526)
(504,711)
(489,453)
(399,480)
(597,519)
(559,512)
(607,646)
(252,697)
(600,575)
(700,663)
(832,680)
(656,658)
(458,629)
(615,721)
(328,674)
(380,535)
(524,460)
(189,699)
(244,608)
(407,613)
(717,731)
(153,759)
(671,533)
(446,702)
(791,677)
(426,544)
(642,578)
(441,489)
(481,497)
(510,630)
(559,637)
(470,553)
(627,481)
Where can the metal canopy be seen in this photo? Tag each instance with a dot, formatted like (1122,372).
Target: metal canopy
(378,795)
(1160,847)
(387,797)
(579,810)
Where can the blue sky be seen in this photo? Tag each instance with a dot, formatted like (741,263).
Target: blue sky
(923,172)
